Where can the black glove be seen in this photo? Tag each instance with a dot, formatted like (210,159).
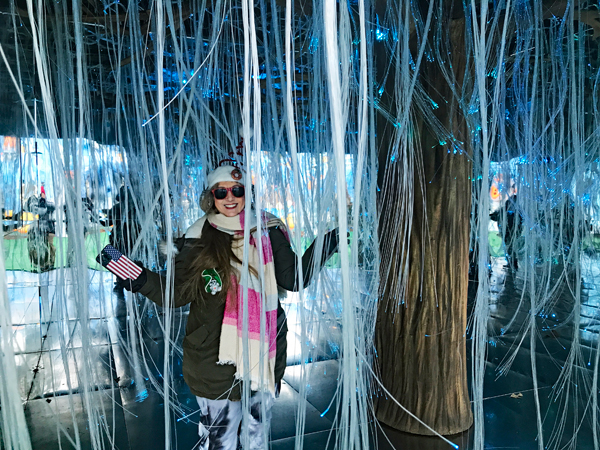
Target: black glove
(331,242)
(133,285)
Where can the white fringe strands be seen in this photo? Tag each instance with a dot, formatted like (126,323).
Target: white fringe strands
(15,434)
(151,95)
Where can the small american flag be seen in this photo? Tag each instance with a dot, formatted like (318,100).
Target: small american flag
(119,264)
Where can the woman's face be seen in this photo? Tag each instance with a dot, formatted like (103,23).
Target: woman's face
(231,205)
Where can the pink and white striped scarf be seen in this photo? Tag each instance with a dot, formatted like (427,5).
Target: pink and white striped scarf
(262,300)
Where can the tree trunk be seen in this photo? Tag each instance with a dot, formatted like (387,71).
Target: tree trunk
(420,337)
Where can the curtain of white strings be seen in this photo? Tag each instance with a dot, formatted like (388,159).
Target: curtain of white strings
(179,80)
(181,83)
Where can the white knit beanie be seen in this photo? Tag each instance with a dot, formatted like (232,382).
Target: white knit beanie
(225,173)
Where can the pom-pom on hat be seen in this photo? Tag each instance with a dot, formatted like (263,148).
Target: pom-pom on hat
(221,174)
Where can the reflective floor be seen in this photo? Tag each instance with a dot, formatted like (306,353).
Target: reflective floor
(133,411)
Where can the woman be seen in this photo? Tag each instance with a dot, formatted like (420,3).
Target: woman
(209,276)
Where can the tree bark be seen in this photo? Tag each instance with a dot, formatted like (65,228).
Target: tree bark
(420,337)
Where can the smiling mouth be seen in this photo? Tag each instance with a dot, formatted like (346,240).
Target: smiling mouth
(231,206)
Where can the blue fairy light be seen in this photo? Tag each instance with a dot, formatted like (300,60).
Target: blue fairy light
(314,45)
(141,396)
(381,34)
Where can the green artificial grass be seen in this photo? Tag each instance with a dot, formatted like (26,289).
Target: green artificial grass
(16,253)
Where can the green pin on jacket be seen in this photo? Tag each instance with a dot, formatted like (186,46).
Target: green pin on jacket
(212,281)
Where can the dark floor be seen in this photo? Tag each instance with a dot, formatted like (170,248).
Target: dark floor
(132,407)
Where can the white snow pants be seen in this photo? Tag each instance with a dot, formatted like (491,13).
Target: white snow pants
(219,426)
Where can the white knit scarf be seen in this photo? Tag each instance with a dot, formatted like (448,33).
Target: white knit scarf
(261,294)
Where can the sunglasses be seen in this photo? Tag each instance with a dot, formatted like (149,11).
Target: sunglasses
(221,193)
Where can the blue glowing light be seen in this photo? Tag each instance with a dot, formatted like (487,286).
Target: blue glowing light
(141,396)
(473,109)
(381,34)
(314,45)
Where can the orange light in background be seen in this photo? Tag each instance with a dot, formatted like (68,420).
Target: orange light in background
(290,221)
(10,142)
(494,193)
